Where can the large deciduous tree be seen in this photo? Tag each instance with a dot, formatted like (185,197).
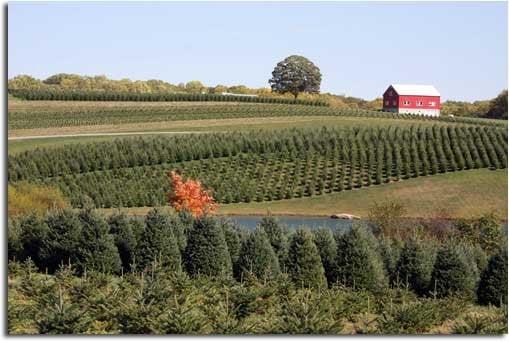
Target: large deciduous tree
(296,74)
(498,107)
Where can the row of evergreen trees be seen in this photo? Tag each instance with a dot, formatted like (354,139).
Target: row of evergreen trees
(91,95)
(217,248)
(412,150)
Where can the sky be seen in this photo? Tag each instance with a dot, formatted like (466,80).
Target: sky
(360,48)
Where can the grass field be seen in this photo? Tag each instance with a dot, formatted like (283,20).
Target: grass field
(456,195)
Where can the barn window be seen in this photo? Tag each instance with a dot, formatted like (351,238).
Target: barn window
(387,102)
(419,103)
(406,103)
(432,103)
(393,103)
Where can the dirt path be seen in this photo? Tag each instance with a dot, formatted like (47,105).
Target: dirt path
(99,134)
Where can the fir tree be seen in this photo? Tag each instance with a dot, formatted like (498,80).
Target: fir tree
(326,245)
(207,252)
(415,265)
(97,245)
(257,257)
(277,235)
(358,264)
(451,274)
(304,264)
(125,239)
(493,284)
(157,243)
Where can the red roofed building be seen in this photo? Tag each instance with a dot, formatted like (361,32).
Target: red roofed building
(412,99)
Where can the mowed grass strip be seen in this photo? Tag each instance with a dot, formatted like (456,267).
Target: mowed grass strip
(461,194)
(455,195)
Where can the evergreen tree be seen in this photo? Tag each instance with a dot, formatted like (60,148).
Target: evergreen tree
(157,243)
(33,233)
(63,239)
(304,264)
(257,257)
(493,285)
(97,245)
(451,274)
(277,235)
(358,264)
(326,245)
(415,265)
(125,238)
(390,251)
(207,252)
(232,237)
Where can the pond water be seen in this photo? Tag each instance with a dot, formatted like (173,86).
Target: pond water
(293,222)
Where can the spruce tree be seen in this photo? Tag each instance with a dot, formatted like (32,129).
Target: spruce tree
(326,245)
(206,251)
(390,251)
(257,257)
(493,284)
(97,245)
(415,265)
(451,274)
(157,243)
(358,264)
(232,237)
(33,233)
(304,264)
(125,238)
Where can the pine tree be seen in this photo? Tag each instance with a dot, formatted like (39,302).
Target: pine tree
(451,274)
(157,243)
(97,245)
(304,264)
(390,251)
(257,257)
(415,265)
(206,251)
(32,234)
(493,285)
(358,264)
(326,245)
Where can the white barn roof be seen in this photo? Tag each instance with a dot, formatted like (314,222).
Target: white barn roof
(415,89)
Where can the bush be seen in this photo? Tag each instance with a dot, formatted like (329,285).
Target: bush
(304,264)
(493,284)
(358,264)
(207,252)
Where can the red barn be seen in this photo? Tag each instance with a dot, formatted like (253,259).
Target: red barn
(412,99)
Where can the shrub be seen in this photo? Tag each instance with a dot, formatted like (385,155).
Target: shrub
(493,284)
(207,252)
(304,264)
(25,198)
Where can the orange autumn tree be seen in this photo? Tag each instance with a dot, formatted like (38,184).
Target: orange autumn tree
(190,195)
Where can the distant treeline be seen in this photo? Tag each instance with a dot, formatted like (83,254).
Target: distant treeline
(97,95)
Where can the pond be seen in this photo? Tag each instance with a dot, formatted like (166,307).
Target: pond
(293,222)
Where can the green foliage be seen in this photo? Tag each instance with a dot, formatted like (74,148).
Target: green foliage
(207,252)
(483,324)
(390,251)
(257,257)
(304,263)
(157,243)
(358,264)
(296,74)
(232,236)
(125,239)
(326,245)
(97,246)
(277,235)
(493,284)
(451,274)
(415,265)
(386,217)
(498,107)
